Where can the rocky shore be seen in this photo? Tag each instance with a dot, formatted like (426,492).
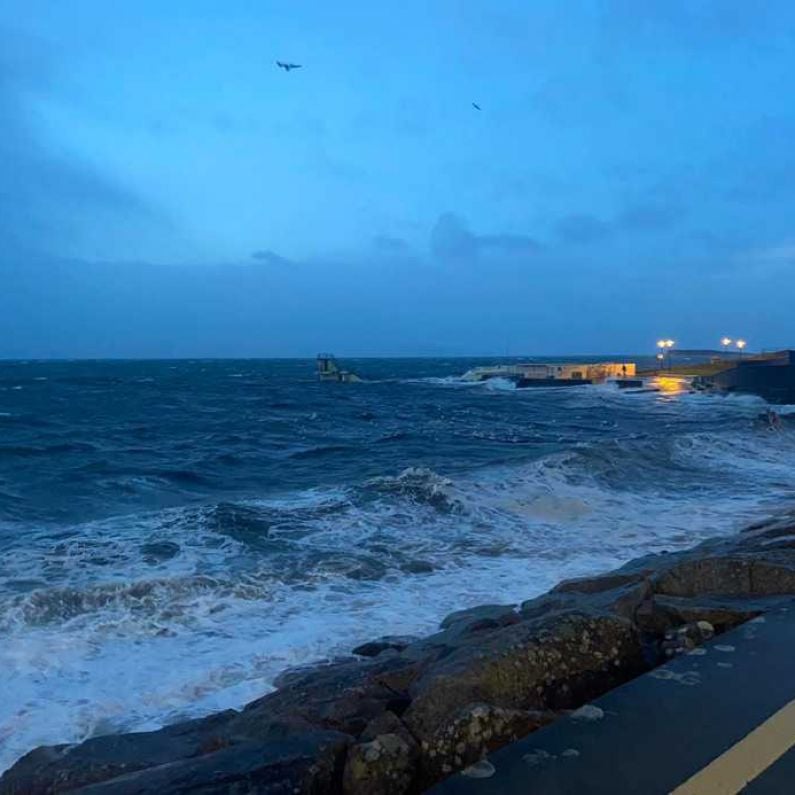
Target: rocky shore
(401,714)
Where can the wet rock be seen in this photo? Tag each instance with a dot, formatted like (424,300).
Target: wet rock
(344,697)
(374,647)
(604,582)
(307,765)
(481,617)
(471,732)
(385,765)
(61,768)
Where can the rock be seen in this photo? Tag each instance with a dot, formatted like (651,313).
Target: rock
(687,637)
(374,647)
(481,617)
(343,697)
(624,599)
(55,769)
(734,575)
(470,733)
(307,765)
(553,664)
(668,612)
(386,723)
(604,582)
(385,765)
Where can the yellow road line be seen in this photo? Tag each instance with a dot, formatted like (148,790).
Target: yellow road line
(728,773)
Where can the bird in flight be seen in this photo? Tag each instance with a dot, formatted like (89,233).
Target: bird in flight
(476,106)
(288,66)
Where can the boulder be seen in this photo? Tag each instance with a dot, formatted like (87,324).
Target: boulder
(624,598)
(374,647)
(729,575)
(467,735)
(385,765)
(310,764)
(481,617)
(62,768)
(553,664)
(600,583)
(668,612)
(342,697)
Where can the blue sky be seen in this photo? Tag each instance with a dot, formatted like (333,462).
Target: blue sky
(631,174)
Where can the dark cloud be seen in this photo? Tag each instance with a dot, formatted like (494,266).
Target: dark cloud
(270,258)
(452,239)
(46,197)
(390,245)
(581,228)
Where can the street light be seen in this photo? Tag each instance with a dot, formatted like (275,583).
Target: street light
(665,345)
(740,345)
(726,341)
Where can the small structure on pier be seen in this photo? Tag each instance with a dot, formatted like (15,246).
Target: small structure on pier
(553,373)
(329,370)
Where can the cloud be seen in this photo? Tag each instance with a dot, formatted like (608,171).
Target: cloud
(647,216)
(581,228)
(390,245)
(48,199)
(270,258)
(452,239)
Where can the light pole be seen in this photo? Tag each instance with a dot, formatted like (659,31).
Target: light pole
(740,345)
(665,345)
(726,341)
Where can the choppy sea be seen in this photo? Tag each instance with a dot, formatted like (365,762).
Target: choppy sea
(174,534)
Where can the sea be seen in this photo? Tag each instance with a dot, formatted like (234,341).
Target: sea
(175,534)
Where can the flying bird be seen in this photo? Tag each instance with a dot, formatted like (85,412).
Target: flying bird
(288,66)
(476,106)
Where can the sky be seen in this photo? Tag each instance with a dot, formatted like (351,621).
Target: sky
(167,190)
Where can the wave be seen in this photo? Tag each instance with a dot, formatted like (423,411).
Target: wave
(200,608)
(321,450)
